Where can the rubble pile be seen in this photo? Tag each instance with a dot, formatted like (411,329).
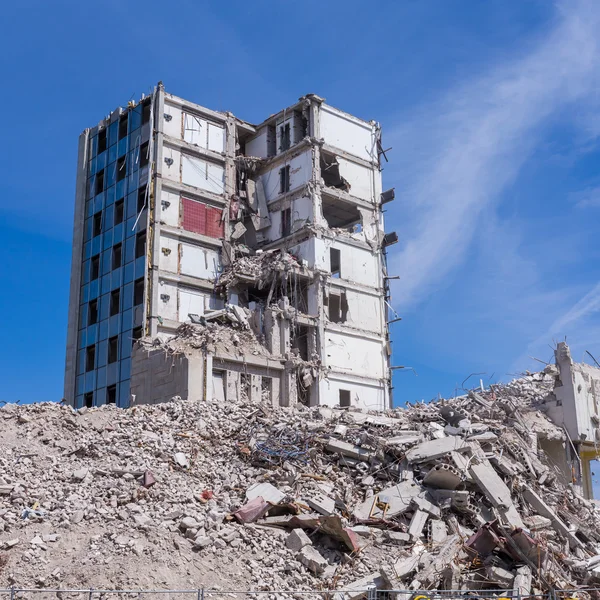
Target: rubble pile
(454,494)
(262,267)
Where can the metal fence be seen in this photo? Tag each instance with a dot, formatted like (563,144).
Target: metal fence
(368,593)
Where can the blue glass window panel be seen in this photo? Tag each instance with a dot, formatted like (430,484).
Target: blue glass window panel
(121,188)
(126,341)
(126,367)
(90,381)
(92,334)
(87,229)
(93,146)
(80,361)
(110,175)
(83,316)
(101,378)
(100,396)
(92,167)
(106,283)
(102,353)
(78,401)
(104,306)
(122,147)
(103,331)
(96,245)
(99,202)
(106,260)
(94,287)
(109,216)
(134,159)
(129,249)
(123,399)
(127,317)
(112,373)
(114,325)
(79,384)
(127,299)
(89,208)
(135,118)
(101,161)
(85,293)
(115,278)
(85,271)
(113,132)
(133,180)
(128,273)
(140,266)
(118,233)
(107,242)
(87,250)
(131,205)
(110,196)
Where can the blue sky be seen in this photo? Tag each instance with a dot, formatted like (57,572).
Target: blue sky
(491,109)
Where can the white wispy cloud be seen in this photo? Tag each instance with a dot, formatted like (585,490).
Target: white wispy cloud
(587,198)
(459,154)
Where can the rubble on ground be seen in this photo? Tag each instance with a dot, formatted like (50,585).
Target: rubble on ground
(454,494)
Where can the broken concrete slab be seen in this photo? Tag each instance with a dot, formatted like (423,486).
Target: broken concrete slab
(252,511)
(398,499)
(443,476)
(268,492)
(496,491)
(312,559)
(297,540)
(417,523)
(321,504)
(349,450)
(434,449)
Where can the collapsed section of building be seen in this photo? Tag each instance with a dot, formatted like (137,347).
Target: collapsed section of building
(188,215)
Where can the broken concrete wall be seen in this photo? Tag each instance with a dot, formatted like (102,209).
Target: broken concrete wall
(300,173)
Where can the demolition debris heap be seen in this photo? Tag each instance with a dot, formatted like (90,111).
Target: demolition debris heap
(456,494)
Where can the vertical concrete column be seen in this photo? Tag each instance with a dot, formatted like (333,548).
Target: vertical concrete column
(275,392)
(289,396)
(230,171)
(195,378)
(272,332)
(208,377)
(255,388)
(285,328)
(232,386)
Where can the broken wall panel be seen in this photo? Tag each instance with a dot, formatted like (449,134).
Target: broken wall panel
(202,174)
(197,261)
(167,305)
(354,354)
(347,133)
(300,173)
(168,259)
(363,311)
(362,395)
(169,210)
(359,178)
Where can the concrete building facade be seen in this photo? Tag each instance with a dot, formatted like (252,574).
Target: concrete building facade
(173,199)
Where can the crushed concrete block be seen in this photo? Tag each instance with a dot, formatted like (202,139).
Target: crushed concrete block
(321,504)
(397,537)
(297,540)
(417,523)
(252,511)
(80,474)
(188,523)
(443,477)
(436,449)
(406,565)
(349,450)
(398,498)
(430,576)
(312,559)
(501,577)
(268,492)
(77,517)
(428,507)
(181,459)
(522,582)
(438,531)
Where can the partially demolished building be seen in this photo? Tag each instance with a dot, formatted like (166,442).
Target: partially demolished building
(268,237)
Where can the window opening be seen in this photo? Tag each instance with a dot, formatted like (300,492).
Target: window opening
(111,394)
(121,168)
(284,135)
(345,398)
(136,334)
(93,312)
(144,155)
(140,244)
(101,141)
(284,179)
(97,224)
(335,259)
(99,182)
(123,126)
(146,106)
(138,291)
(88,399)
(141,199)
(338,307)
(115,302)
(95,267)
(286,222)
(113,349)
(117,256)
(90,358)
(119,211)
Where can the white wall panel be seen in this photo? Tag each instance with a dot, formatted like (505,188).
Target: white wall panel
(167,300)
(360,179)
(172,127)
(361,396)
(300,174)
(171,171)
(257,146)
(354,355)
(190,302)
(347,133)
(169,210)
(167,258)
(202,174)
(199,262)
(216,138)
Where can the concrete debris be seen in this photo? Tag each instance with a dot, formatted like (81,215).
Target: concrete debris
(247,495)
